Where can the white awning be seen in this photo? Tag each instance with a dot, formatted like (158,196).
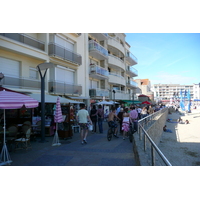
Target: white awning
(53,99)
(80,97)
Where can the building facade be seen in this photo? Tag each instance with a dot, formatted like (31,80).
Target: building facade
(145,88)
(196,92)
(86,65)
(111,68)
(164,92)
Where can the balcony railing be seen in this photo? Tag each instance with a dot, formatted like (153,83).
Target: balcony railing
(19,82)
(64,88)
(131,58)
(118,58)
(65,54)
(132,70)
(95,69)
(25,39)
(116,79)
(100,36)
(117,75)
(119,95)
(95,46)
(98,92)
(132,83)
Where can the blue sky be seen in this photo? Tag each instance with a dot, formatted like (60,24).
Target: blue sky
(166,57)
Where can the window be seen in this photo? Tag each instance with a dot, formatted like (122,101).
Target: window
(94,84)
(33,73)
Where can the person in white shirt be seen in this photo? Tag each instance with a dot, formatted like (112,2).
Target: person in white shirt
(83,117)
(139,110)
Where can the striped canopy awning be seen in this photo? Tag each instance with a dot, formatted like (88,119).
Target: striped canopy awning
(14,100)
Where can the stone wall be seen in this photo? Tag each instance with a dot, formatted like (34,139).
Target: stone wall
(143,158)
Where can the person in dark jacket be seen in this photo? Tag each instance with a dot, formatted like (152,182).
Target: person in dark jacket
(120,115)
(100,114)
(93,116)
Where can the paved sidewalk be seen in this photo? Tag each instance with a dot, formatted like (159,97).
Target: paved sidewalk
(182,147)
(98,152)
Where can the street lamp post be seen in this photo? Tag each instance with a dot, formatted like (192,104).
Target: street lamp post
(114,96)
(43,66)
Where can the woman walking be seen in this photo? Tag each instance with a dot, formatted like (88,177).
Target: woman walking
(125,123)
(144,112)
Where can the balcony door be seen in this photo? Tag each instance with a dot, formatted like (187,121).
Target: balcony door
(11,70)
(64,42)
(64,75)
(9,67)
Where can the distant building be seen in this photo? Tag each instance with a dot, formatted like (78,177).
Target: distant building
(164,92)
(145,88)
(196,92)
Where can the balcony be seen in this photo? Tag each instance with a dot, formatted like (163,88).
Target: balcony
(131,58)
(21,83)
(131,84)
(58,51)
(116,62)
(97,51)
(120,95)
(116,79)
(131,71)
(56,87)
(98,72)
(98,93)
(77,34)
(113,42)
(100,36)
(25,39)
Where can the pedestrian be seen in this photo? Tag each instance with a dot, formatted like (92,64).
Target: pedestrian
(120,116)
(83,117)
(100,115)
(118,109)
(167,130)
(150,110)
(139,110)
(125,123)
(143,112)
(93,117)
(134,117)
(112,120)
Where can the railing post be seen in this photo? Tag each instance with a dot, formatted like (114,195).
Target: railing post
(152,156)
(144,142)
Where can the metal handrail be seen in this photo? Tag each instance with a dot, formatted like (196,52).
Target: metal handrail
(154,147)
(149,121)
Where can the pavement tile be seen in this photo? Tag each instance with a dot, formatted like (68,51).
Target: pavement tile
(51,160)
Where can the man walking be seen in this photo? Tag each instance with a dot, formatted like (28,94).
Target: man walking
(100,114)
(83,117)
(134,117)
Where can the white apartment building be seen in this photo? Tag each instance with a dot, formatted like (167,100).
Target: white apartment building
(86,66)
(111,67)
(196,92)
(164,92)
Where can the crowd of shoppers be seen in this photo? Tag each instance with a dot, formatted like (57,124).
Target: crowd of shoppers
(119,115)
